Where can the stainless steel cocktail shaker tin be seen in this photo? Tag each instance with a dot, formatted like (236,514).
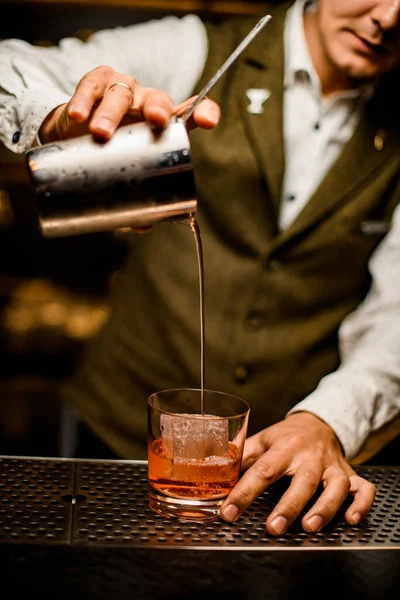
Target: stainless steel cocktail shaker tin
(138,178)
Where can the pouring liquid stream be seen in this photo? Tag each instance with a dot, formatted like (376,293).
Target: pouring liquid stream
(199,250)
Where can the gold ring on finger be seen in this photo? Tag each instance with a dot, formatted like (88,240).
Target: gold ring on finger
(126,86)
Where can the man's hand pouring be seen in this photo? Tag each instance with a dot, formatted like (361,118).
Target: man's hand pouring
(105,99)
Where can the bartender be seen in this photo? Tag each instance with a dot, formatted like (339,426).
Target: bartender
(298,194)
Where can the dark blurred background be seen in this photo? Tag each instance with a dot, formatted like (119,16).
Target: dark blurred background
(54,293)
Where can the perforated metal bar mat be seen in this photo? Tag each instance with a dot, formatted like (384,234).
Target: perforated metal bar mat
(104,503)
(36,500)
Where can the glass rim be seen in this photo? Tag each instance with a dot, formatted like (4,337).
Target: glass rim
(206,390)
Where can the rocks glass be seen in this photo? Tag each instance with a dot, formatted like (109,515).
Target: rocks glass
(195,448)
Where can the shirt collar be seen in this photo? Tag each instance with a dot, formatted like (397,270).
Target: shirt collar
(297,57)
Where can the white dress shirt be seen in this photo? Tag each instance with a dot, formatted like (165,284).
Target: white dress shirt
(170,54)
(315,128)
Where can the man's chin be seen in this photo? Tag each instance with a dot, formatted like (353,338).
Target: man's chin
(362,72)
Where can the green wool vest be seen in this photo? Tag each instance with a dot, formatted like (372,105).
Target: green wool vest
(273,300)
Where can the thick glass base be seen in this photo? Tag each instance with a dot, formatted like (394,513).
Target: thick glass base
(184,509)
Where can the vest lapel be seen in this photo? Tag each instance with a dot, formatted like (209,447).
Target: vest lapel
(262,67)
(370,147)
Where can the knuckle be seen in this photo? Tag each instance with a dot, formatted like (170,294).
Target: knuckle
(299,442)
(98,69)
(343,483)
(319,450)
(107,70)
(311,477)
(132,81)
(264,469)
(242,497)
(328,505)
(292,507)
(103,71)
(292,443)
(369,489)
(166,100)
(155,92)
(90,82)
(161,96)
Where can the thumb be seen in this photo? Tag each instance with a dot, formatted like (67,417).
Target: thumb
(51,128)
(254,447)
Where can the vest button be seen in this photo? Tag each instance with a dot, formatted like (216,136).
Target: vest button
(254,322)
(275,264)
(241,373)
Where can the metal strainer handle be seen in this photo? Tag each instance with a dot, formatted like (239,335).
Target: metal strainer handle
(235,54)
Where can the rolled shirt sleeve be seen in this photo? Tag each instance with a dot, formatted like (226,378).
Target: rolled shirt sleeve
(167,54)
(364,393)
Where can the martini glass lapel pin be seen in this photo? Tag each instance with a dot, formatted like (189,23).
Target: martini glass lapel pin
(257,97)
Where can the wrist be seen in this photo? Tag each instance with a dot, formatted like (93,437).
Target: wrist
(310,420)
